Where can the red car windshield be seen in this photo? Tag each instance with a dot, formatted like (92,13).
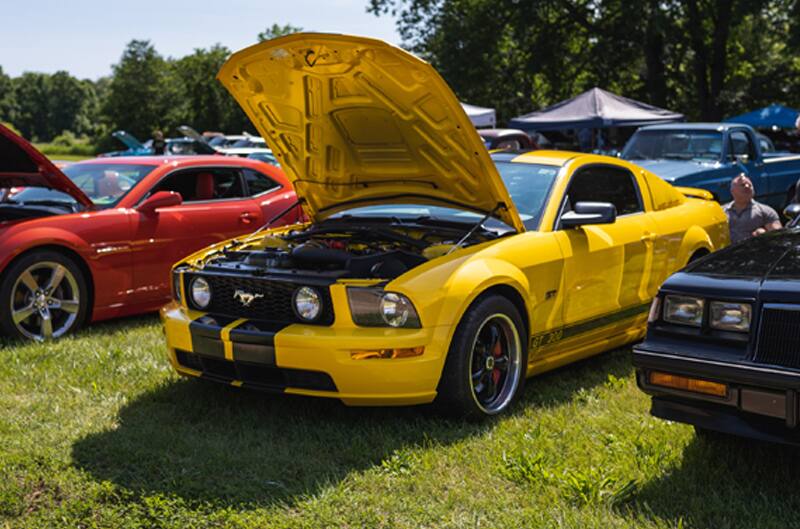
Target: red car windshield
(104,184)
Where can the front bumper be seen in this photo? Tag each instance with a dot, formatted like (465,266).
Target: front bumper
(306,359)
(761,401)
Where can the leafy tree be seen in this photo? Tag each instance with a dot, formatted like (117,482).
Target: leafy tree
(207,105)
(7,97)
(277,30)
(33,102)
(140,94)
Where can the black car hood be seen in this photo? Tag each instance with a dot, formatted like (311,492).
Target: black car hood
(767,267)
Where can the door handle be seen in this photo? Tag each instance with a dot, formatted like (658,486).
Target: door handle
(649,237)
(246,218)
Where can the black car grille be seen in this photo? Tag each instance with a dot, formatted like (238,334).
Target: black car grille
(779,338)
(276,305)
(266,378)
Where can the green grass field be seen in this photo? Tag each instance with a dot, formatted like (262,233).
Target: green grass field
(96,431)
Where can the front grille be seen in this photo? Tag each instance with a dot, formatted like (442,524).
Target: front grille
(265,378)
(779,338)
(276,305)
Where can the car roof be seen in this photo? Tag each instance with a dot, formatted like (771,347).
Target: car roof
(694,126)
(174,160)
(544,157)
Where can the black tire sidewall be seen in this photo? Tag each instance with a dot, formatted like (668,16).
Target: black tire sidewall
(9,277)
(454,393)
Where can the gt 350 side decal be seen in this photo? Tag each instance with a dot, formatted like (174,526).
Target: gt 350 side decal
(550,337)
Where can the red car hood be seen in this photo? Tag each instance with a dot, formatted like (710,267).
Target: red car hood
(21,165)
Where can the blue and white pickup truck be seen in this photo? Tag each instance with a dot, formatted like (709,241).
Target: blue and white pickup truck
(710,155)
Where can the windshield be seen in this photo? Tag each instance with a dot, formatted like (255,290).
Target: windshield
(248,143)
(104,184)
(528,184)
(698,145)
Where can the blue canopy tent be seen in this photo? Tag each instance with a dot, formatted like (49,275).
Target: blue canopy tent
(774,115)
(592,110)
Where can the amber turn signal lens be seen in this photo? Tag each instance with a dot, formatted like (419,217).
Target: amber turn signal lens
(403,352)
(695,385)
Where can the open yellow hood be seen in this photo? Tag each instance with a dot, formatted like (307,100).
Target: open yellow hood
(356,121)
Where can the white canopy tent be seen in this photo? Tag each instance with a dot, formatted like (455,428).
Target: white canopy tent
(479,116)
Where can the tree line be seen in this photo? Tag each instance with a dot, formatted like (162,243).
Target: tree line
(705,58)
(145,92)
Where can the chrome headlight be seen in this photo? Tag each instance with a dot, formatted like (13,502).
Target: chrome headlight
(201,292)
(731,316)
(372,307)
(684,310)
(307,303)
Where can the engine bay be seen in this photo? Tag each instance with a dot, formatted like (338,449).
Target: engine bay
(345,250)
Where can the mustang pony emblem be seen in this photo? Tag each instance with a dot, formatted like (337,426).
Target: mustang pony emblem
(246,298)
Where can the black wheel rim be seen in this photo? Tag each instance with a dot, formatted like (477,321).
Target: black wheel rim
(495,359)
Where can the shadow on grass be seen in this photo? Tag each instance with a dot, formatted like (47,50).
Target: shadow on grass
(205,442)
(726,482)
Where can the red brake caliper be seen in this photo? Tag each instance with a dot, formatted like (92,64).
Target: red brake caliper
(497,352)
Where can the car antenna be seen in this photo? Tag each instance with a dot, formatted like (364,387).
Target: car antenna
(472,230)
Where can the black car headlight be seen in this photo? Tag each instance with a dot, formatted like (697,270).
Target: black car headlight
(730,316)
(374,307)
(200,292)
(684,310)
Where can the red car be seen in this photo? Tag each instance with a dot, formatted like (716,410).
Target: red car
(97,240)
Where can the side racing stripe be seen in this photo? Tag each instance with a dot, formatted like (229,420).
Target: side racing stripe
(551,337)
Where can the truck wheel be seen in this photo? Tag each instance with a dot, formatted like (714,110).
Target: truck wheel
(487,362)
(43,295)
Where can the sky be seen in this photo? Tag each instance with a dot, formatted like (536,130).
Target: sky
(85,37)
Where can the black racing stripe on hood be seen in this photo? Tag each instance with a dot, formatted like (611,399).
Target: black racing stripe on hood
(755,258)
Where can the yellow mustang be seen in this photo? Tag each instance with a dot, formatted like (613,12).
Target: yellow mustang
(430,270)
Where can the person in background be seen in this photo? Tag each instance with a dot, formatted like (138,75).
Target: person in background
(159,145)
(746,217)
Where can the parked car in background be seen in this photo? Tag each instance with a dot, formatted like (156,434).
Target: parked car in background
(723,343)
(430,270)
(174,146)
(710,155)
(506,139)
(264,155)
(97,240)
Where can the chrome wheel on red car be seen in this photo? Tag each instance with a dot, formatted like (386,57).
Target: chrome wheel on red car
(46,296)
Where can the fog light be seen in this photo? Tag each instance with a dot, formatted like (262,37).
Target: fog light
(402,352)
(694,385)
(307,303)
(201,292)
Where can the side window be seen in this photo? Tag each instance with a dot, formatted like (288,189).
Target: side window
(740,144)
(605,184)
(258,183)
(197,185)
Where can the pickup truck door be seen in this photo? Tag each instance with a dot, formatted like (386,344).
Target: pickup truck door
(606,266)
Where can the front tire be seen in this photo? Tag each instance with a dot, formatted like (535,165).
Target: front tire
(487,361)
(43,295)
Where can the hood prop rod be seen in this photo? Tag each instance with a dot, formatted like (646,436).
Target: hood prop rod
(472,230)
(279,215)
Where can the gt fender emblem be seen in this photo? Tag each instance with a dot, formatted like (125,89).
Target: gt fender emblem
(246,298)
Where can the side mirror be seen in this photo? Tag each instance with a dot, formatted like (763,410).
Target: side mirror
(589,213)
(791,211)
(158,200)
